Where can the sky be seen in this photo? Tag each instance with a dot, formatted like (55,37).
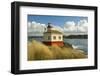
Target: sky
(55,20)
(66,24)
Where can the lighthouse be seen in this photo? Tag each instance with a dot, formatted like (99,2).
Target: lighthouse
(52,36)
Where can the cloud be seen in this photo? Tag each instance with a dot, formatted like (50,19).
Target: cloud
(70,26)
(81,26)
(35,28)
(55,27)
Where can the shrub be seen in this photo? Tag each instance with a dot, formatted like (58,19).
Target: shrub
(30,52)
(57,52)
(40,51)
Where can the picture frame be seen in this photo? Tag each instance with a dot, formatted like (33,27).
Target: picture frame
(21,12)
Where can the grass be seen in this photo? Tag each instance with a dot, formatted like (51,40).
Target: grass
(40,51)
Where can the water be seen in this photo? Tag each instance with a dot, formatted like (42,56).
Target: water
(76,43)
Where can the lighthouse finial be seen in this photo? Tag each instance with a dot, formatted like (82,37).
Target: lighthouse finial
(49,25)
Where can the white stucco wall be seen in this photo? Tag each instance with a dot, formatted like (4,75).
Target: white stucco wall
(51,37)
(57,37)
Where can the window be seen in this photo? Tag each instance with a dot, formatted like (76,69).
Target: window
(49,37)
(54,37)
(59,37)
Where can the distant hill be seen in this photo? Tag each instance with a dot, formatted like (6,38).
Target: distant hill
(77,36)
(70,36)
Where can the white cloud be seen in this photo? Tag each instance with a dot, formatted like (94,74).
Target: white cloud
(35,28)
(57,28)
(70,26)
(81,26)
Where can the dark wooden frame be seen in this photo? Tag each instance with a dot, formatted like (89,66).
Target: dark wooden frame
(15,34)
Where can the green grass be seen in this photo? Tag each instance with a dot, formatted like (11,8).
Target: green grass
(40,51)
